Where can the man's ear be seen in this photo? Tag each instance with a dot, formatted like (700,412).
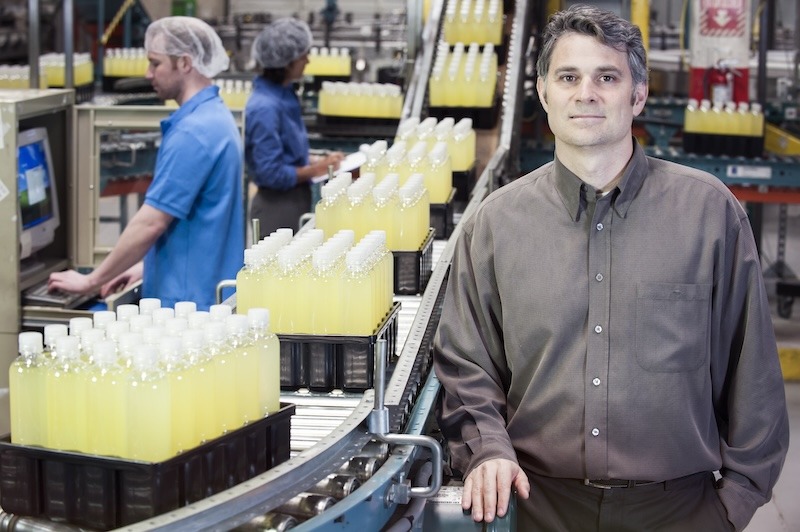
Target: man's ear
(184,63)
(540,89)
(639,98)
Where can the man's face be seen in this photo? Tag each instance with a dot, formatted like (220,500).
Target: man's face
(589,94)
(165,76)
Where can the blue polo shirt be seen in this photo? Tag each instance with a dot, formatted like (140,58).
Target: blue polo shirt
(276,140)
(198,181)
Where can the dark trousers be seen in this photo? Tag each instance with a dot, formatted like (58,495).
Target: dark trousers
(681,505)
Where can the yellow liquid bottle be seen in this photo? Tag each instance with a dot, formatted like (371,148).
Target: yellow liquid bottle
(52,332)
(268,353)
(184,414)
(414,213)
(246,288)
(106,417)
(384,209)
(439,177)
(148,304)
(246,361)
(149,401)
(66,398)
(416,161)
(356,286)
(28,392)
(224,371)
(463,147)
(201,378)
(395,161)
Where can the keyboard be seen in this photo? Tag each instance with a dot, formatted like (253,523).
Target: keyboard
(39,295)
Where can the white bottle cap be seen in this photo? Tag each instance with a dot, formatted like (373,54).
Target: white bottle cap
(162,314)
(79,324)
(152,335)
(54,331)
(193,340)
(236,324)
(68,347)
(184,308)
(218,312)
(258,317)
(175,326)
(129,341)
(215,332)
(198,319)
(105,352)
(148,304)
(139,322)
(101,318)
(116,329)
(124,312)
(30,342)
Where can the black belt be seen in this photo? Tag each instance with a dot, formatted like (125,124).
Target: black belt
(610,483)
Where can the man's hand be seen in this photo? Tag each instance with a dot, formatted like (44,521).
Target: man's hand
(487,488)
(70,281)
(123,280)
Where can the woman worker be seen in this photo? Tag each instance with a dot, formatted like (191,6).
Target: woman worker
(276,140)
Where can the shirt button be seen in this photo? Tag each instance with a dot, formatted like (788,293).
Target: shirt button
(596,381)
(595,432)
(599,277)
(599,227)
(598,329)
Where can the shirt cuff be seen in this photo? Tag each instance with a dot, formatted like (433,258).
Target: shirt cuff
(737,501)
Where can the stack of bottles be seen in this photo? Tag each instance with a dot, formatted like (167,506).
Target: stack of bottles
(433,162)
(144,383)
(234,92)
(18,77)
(459,136)
(723,129)
(53,66)
(360,100)
(401,209)
(478,21)
(328,62)
(125,63)
(460,79)
(315,287)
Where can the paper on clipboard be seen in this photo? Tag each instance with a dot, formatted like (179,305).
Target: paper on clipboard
(348,164)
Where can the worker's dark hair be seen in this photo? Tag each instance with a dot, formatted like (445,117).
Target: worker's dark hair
(605,26)
(275,75)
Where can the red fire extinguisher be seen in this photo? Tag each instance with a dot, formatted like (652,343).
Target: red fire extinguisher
(718,83)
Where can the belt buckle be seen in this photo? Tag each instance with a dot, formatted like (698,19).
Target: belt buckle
(607,484)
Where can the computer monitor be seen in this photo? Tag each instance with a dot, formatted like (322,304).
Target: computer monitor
(38,198)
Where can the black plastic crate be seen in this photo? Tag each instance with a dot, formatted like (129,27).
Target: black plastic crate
(442,217)
(323,363)
(464,182)
(100,492)
(482,117)
(412,269)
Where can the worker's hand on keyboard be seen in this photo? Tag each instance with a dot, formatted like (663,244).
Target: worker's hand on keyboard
(70,281)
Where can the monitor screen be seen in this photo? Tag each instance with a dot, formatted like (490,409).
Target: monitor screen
(38,201)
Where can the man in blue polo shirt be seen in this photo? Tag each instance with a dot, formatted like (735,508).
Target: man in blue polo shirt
(190,230)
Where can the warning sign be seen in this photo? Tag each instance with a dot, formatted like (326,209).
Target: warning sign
(723,18)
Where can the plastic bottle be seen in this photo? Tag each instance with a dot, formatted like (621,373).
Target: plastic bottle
(79,324)
(245,359)
(267,348)
(52,333)
(149,408)
(106,416)
(356,285)
(385,209)
(184,413)
(140,322)
(394,162)
(66,398)
(101,318)
(127,344)
(89,338)
(439,178)
(463,147)
(246,281)
(219,312)
(27,390)
(690,126)
(414,214)
(224,377)
(203,392)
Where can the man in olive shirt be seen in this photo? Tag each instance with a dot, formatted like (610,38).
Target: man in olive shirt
(606,344)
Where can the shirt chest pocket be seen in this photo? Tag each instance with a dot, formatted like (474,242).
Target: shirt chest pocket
(672,326)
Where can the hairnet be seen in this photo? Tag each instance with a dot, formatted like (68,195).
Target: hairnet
(281,42)
(190,36)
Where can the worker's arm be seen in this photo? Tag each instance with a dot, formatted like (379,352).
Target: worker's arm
(138,237)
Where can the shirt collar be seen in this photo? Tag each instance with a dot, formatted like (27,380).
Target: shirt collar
(205,94)
(575,193)
(260,82)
